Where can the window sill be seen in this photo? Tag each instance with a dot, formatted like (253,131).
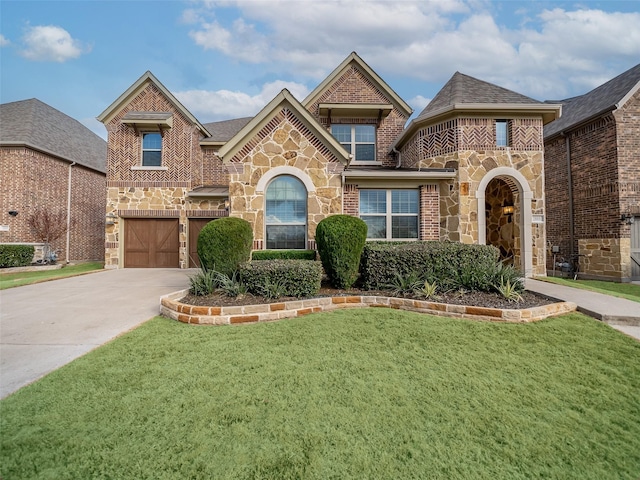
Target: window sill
(361,163)
(139,167)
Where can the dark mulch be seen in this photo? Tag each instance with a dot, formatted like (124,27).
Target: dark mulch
(478,299)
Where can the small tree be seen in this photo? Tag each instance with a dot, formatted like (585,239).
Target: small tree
(340,240)
(48,225)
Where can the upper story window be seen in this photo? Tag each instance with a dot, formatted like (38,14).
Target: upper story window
(151,149)
(359,140)
(502,133)
(286,214)
(390,214)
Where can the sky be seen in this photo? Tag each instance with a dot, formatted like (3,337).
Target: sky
(228,59)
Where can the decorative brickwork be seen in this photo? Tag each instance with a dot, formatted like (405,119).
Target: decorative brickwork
(31,179)
(351,200)
(354,87)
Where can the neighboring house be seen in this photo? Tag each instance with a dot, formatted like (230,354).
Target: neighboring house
(51,161)
(592,178)
(469,168)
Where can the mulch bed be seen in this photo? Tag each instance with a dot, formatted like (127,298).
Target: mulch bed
(478,299)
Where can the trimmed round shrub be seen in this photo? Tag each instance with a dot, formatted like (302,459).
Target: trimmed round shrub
(224,244)
(340,240)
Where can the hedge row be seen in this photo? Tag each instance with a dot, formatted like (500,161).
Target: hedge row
(449,264)
(283,255)
(16,255)
(291,278)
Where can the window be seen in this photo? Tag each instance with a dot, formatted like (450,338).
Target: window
(502,133)
(151,150)
(286,214)
(359,140)
(390,214)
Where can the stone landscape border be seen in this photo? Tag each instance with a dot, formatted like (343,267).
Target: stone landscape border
(192,314)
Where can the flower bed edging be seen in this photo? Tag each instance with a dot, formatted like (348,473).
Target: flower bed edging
(170,307)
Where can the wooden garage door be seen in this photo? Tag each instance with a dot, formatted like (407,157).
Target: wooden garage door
(195,225)
(151,243)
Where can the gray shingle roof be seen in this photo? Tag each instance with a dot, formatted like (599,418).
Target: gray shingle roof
(462,89)
(36,124)
(600,100)
(223,131)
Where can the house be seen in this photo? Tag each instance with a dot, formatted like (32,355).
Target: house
(469,168)
(592,179)
(50,161)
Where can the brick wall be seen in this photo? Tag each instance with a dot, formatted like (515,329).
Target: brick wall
(628,131)
(181,152)
(429,212)
(594,174)
(31,179)
(354,87)
(214,171)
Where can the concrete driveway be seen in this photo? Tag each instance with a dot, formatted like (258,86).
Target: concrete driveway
(45,326)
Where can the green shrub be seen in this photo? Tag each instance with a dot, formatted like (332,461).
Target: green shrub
(16,255)
(224,244)
(283,255)
(449,264)
(507,275)
(291,278)
(204,282)
(340,240)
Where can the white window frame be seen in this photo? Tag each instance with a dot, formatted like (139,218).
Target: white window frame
(353,142)
(389,215)
(143,150)
(507,140)
(284,224)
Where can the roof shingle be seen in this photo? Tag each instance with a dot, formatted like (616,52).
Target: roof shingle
(40,126)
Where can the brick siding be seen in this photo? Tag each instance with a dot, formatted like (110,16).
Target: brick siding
(31,179)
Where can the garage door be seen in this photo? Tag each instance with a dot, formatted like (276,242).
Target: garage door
(151,243)
(195,225)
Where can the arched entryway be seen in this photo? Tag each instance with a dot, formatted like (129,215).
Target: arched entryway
(502,213)
(504,216)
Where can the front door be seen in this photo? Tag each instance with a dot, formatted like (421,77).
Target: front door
(195,225)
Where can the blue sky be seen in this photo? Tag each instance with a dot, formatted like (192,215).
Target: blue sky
(227,59)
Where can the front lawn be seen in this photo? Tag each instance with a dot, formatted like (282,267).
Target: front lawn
(622,290)
(371,393)
(8,280)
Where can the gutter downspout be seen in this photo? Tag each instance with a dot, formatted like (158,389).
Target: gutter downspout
(570,192)
(69,212)
(399,156)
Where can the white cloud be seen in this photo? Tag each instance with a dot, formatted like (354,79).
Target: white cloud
(4,41)
(51,43)
(210,106)
(541,53)
(418,103)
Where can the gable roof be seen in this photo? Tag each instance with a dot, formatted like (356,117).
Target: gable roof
(224,130)
(463,93)
(36,125)
(134,89)
(605,98)
(368,72)
(283,99)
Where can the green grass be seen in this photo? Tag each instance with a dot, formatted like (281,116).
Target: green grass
(9,280)
(372,393)
(622,290)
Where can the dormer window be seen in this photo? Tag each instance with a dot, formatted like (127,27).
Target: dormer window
(359,140)
(151,149)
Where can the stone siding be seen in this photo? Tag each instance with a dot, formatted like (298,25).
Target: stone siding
(285,142)
(605,258)
(31,179)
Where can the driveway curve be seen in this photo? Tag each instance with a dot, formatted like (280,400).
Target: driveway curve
(46,325)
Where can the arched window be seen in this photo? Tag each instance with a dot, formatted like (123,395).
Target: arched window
(286,213)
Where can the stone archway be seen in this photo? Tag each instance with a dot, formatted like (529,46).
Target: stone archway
(502,228)
(509,183)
